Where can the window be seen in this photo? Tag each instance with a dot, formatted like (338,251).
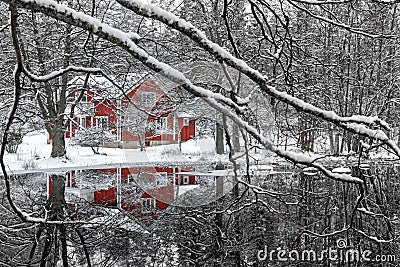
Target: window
(132,178)
(148,203)
(185,179)
(82,122)
(102,122)
(161,123)
(161,179)
(185,121)
(148,99)
(84,97)
(97,94)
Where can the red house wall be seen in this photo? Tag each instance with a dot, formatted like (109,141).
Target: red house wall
(105,108)
(187,132)
(108,108)
(107,197)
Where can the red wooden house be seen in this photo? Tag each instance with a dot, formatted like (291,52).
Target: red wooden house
(142,113)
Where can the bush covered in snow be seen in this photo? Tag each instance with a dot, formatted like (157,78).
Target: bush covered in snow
(93,137)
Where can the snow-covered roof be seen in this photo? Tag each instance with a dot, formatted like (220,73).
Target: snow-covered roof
(184,115)
(106,88)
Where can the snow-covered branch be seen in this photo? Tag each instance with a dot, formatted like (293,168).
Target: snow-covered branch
(299,158)
(82,20)
(4,27)
(60,72)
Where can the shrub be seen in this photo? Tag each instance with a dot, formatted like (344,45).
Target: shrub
(93,137)
(14,139)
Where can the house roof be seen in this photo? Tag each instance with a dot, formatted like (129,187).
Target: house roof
(107,89)
(184,115)
(125,83)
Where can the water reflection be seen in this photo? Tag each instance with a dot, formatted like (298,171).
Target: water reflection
(144,189)
(282,205)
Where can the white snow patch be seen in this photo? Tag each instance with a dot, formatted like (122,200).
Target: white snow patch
(341,170)
(182,189)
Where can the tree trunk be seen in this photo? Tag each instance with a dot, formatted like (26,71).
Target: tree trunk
(219,139)
(235,138)
(64,247)
(332,147)
(58,142)
(95,150)
(141,142)
(57,200)
(219,188)
(56,206)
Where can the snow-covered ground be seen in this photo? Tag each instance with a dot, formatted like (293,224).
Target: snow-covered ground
(34,155)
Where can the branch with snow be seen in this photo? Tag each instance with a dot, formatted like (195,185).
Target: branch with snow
(58,73)
(123,39)
(322,2)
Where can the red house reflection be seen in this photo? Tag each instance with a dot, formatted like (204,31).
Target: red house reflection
(140,189)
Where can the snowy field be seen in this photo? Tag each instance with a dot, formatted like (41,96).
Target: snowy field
(34,155)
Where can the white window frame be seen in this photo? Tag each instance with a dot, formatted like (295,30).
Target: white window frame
(82,122)
(148,202)
(186,121)
(185,179)
(85,97)
(131,177)
(79,89)
(100,119)
(162,179)
(162,123)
